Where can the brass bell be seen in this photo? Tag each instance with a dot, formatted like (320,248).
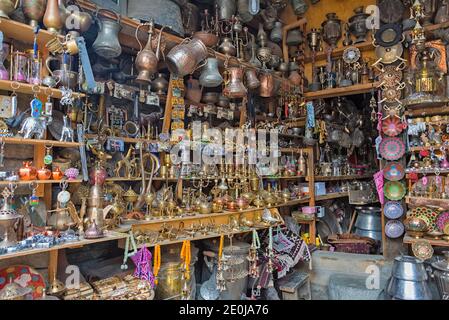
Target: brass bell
(210,76)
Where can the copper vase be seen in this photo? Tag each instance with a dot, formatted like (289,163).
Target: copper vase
(147,60)
(34,10)
(266,85)
(234,87)
(52,18)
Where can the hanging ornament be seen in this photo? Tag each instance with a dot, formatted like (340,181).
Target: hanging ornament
(220,280)
(34,199)
(48,109)
(48,158)
(186,256)
(156,262)
(2,153)
(63,196)
(252,256)
(36,107)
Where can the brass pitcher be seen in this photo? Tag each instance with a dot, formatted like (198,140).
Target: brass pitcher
(147,60)
(106,44)
(34,10)
(266,85)
(52,18)
(252,82)
(234,87)
(210,76)
(185,57)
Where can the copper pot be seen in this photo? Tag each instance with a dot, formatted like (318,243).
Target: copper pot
(252,82)
(266,85)
(295,78)
(234,87)
(160,84)
(242,203)
(44,174)
(193,90)
(231,205)
(331,29)
(185,57)
(34,10)
(227,47)
(210,40)
(27,172)
(57,174)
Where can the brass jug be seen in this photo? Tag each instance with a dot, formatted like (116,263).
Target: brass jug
(52,18)
(252,82)
(234,87)
(106,44)
(34,10)
(266,85)
(185,57)
(210,76)
(147,60)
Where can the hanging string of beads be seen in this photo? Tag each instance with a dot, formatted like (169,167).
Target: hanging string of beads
(156,262)
(221,282)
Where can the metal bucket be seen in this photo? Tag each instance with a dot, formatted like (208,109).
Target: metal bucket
(162,12)
(369,219)
(408,290)
(409,268)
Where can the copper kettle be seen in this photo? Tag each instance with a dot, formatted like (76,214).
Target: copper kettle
(234,87)
(252,82)
(266,84)
(147,60)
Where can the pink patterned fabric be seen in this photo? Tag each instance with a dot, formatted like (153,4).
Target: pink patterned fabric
(142,260)
(379,181)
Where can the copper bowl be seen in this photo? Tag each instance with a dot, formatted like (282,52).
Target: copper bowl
(231,205)
(210,40)
(415,227)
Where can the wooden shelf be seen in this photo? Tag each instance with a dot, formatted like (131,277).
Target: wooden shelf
(54,143)
(110,236)
(15,30)
(341,178)
(431,111)
(435,243)
(124,139)
(25,182)
(283,178)
(28,88)
(412,149)
(331,196)
(338,52)
(423,201)
(343,91)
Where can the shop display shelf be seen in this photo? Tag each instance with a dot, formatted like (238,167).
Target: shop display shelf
(27,88)
(341,178)
(421,148)
(338,52)
(27,182)
(343,91)
(283,178)
(428,111)
(54,143)
(125,139)
(424,201)
(110,236)
(436,243)
(330,196)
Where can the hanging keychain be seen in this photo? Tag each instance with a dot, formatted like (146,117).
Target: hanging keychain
(63,195)
(186,256)
(48,108)
(48,158)
(2,152)
(252,256)
(36,104)
(34,199)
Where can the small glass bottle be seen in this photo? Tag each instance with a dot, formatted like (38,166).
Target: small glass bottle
(34,65)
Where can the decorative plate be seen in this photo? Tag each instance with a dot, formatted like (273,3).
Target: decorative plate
(393,210)
(426,214)
(442,219)
(422,249)
(394,171)
(394,190)
(24,276)
(351,55)
(392,149)
(392,126)
(394,229)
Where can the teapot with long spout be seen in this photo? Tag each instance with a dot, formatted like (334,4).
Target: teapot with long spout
(147,59)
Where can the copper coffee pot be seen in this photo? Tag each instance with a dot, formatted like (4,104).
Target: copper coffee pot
(266,84)
(234,87)
(147,60)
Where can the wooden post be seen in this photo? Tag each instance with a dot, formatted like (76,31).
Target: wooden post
(168,107)
(52,265)
(311,176)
